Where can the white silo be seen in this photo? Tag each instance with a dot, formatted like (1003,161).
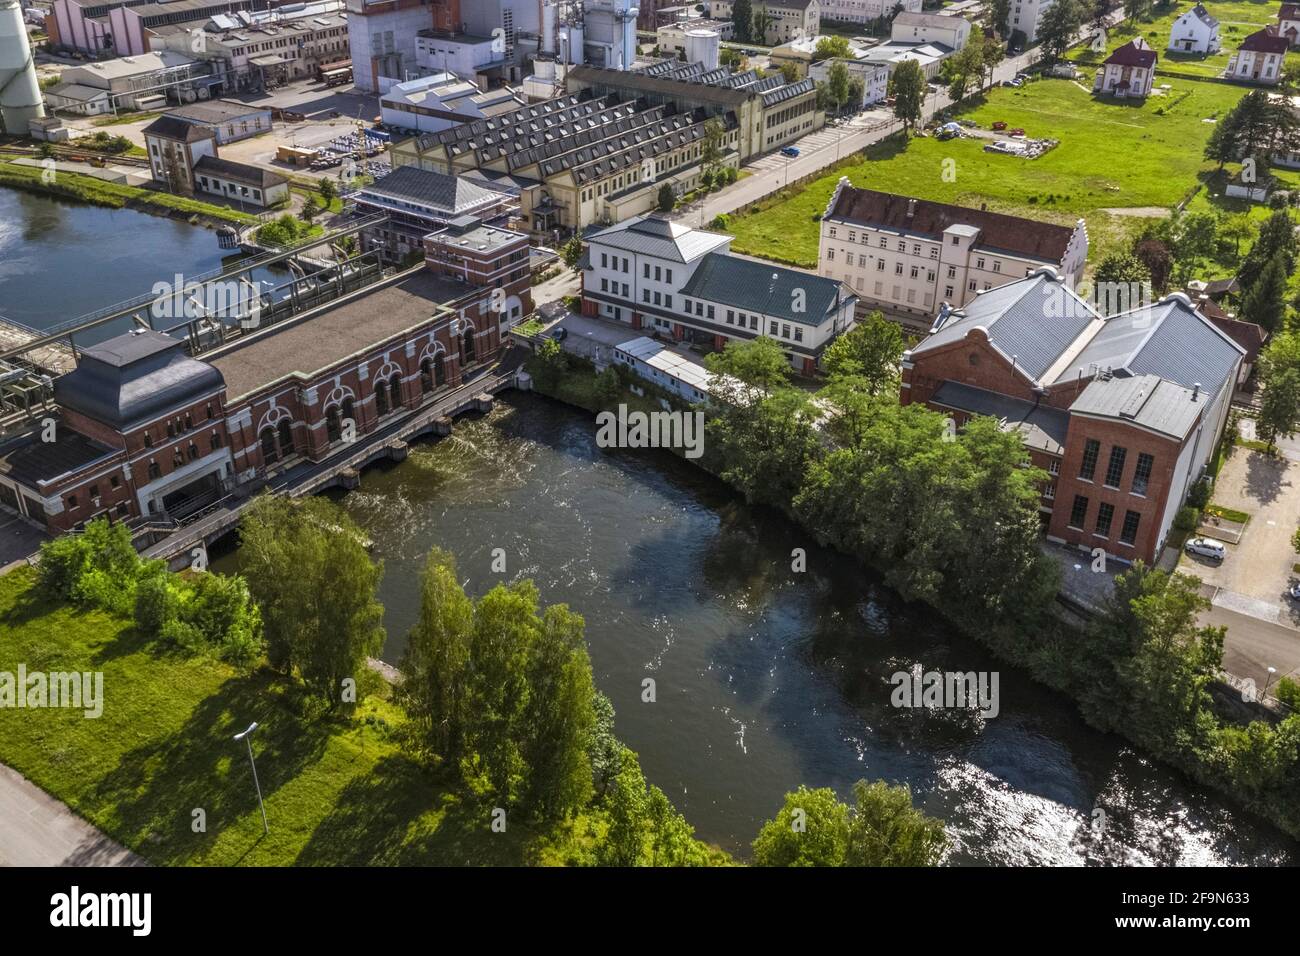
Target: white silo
(548,27)
(20,91)
(703,46)
(571,42)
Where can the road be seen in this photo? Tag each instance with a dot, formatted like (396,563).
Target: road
(38,830)
(1253,646)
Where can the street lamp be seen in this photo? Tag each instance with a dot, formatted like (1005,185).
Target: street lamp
(246,737)
(1271,672)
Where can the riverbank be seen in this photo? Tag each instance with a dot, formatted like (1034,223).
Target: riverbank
(1247,765)
(88,189)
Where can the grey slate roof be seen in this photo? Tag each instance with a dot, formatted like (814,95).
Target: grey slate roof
(169,127)
(1203,15)
(29,460)
(1042,426)
(1145,400)
(655,236)
(135,378)
(258,176)
(766,289)
(452,194)
(1033,320)
(1169,339)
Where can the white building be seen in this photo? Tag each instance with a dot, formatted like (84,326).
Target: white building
(928,56)
(1259,58)
(671,37)
(787,19)
(930,28)
(1288,23)
(1026,17)
(874,76)
(910,256)
(652,273)
(1195,32)
(865,11)
(435,103)
(463,54)
(128,83)
(1129,72)
(183,157)
(670,370)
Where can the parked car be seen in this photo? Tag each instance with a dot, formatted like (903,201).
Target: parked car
(790,151)
(1016,132)
(1000,125)
(1293,592)
(1206,548)
(560,334)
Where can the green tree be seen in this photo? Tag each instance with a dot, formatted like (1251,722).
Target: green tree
(1264,302)
(1059,25)
(789,72)
(831,47)
(1121,268)
(327,189)
(711,151)
(964,69)
(1000,16)
(1236,229)
(1196,239)
(837,84)
(571,252)
(1137,10)
(869,353)
(666,200)
(811,829)
(907,86)
(1279,374)
(742,21)
(1276,237)
(625,841)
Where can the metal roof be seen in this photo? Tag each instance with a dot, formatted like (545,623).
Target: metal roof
(766,289)
(659,237)
(135,378)
(1169,339)
(423,187)
(1042,427)
(1032,320)
(1145,400)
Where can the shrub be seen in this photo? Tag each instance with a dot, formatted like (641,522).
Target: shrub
(1187,518)
(156,603)
(1199,496)
(1288,692)
(720,222)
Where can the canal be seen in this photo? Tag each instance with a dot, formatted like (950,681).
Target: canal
(765,678)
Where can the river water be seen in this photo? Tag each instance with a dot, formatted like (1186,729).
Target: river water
(765,678)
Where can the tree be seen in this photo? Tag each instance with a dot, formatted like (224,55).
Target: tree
(882,828)
(837,84)
(1264,302)
(742,20)
(711,150)
(869,354)
(857,92)
(1153,252)
(1279,374)
(831,47)
(1137,10)
(994,52)
(310,209)
(571,252)
(1236,229)
(1276,237)
(1096,11)
(308,570)
(908,88)
(327,189)
(1059,25)
(1121,268)
(964,68)
(1000,16)
(762,22)
(789,72)
(1196,239)
(667,200)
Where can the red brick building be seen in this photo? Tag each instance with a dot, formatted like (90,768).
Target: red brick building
(144,429)
(1123,412)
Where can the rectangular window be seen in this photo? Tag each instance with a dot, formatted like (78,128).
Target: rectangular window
(898,268)
(771,328)
(1142,474)
(668,275)
(915,272)
(1128,534)
(785,331)
(647,270)
(947,292)
(798,334)
(830,255)
(604,261)
(1079,513)
(880,265)
(1105,514)
(753,322)
(113,482)
(72,502)
(1091,449)
(1115,468)
(658,274)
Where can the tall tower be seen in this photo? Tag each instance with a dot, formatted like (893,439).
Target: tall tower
(20,92)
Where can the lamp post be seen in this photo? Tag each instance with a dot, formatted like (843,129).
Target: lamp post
(1271,672)
(246,737)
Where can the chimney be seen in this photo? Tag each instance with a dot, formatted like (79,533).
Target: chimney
(1196,391)
(911,208)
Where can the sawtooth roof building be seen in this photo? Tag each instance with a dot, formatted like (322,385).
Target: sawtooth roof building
(1123,412)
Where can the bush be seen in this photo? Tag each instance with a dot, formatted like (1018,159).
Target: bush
(1187,518)
(156,603)
(1199,496)
(1288,692)
(720,222)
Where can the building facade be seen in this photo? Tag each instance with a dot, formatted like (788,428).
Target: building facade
(183,156)
(1259,58)
(912,256)
(1195,32)
(864,11)
(1129,72)
(1122,412)
(786,19)
(952,32)
(657,275)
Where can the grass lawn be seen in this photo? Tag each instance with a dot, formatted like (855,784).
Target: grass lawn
(337,792)
(121,118)
(1112,155)
(1237,20)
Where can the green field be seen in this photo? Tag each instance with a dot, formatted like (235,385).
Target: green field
(1134,157)
(337,791)
(1237,20)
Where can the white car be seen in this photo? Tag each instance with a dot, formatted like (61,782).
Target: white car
(1294,591)
(1206,548)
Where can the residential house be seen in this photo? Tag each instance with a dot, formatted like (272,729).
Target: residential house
(1129,72)
(786,19)
(1195,32)
(1288,23)
(183,156)
(952,32)
(1259,58)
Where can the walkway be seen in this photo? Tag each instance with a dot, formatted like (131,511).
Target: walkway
(38,830)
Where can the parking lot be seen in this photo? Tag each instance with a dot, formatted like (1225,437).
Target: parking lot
(1256,572)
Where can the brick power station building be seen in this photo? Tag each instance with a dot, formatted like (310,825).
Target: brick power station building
(144,429)
(1123,412)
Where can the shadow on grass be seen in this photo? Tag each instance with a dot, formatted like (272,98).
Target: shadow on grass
(156,787)
(403,814)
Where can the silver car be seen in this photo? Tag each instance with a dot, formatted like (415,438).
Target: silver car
(1206,548)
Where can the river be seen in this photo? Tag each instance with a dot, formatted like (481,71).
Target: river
(765,678)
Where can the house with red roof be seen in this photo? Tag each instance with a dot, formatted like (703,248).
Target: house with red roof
(1129,71)
(1288,23)
(1259,58)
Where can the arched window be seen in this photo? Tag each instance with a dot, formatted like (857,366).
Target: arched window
(395,392)
(467,346)
(426,376)
(332,428)
(269,453)
(286,437)
(439,371)
(349,413)
(381,398)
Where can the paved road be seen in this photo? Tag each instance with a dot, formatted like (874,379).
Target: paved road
(38,830)
(1253,646)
